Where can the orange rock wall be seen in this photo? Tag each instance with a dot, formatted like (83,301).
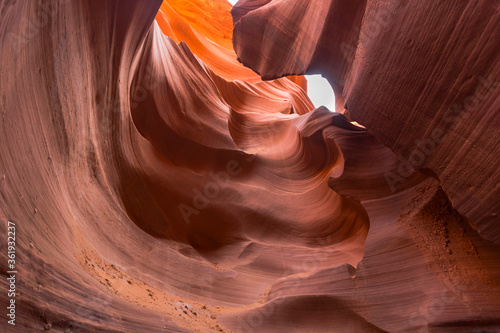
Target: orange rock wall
(159,185)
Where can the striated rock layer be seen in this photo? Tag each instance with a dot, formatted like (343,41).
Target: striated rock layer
(159,185)
(423,77)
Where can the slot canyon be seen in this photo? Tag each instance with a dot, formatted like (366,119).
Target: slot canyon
(163,167)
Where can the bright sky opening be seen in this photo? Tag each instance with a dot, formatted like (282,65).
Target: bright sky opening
(320,92)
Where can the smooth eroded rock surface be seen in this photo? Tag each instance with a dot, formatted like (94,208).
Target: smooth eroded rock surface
(159,185)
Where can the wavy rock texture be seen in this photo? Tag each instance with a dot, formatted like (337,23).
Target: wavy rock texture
(439,63)
(159,185)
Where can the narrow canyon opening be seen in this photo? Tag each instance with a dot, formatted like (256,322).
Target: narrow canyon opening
(320,91)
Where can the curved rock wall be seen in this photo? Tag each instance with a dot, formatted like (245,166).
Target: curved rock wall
(159,185)
(422,77)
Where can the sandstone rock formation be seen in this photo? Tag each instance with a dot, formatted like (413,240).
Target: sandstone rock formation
(159,185)
(439,62)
